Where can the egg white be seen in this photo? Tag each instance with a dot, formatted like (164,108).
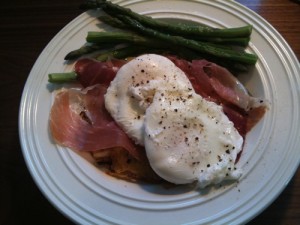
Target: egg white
(186,137)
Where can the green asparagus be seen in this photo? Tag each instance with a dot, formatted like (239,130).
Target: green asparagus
(112,21)
(202,47)
(240,41)
(124,52)
(120,37)
(179,29)
(62,77)
(86,49)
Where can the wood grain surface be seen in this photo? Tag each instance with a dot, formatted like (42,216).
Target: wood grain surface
(25,29)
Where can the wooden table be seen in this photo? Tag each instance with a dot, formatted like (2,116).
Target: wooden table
(26,27)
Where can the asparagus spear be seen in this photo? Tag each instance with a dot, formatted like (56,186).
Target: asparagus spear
(182,51)
(179,29)
(206,48)
(104,56)
(62,77)
(122,53)
(240,41)
(185,53)
(112,21)
(121,37)
(86,49)
(97,37)
(103,40)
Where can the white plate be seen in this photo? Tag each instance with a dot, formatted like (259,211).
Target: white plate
(88,196)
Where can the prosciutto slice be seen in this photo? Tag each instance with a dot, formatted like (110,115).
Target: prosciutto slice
(79,120)
(91,72)
(217,84)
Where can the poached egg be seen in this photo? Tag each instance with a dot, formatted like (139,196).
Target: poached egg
(186,137)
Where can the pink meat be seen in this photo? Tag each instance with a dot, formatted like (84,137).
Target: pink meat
(217,84)
(214,82)
(91,72)
(79,120)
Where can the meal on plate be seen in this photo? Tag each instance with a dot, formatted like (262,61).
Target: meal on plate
(158,106)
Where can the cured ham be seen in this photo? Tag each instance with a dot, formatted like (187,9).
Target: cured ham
(79,120)
(217,84)
(90,72)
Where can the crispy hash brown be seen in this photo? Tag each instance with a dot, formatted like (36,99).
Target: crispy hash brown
(119,163)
